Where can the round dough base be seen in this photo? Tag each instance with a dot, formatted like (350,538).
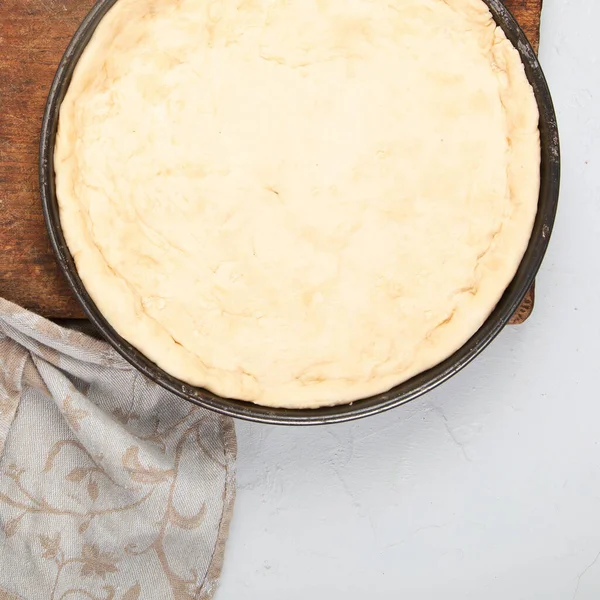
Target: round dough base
(297,202)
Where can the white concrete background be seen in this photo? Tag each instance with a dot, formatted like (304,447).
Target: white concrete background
(489,487)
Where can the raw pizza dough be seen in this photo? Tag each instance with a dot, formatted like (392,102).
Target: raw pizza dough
(297,202)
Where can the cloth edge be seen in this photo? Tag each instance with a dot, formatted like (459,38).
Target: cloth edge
(213,573)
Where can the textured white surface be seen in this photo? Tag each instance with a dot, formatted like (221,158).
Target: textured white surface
(487,488)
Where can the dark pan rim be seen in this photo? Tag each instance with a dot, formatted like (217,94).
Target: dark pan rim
(409,390)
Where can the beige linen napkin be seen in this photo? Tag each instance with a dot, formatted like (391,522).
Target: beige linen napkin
(111,488)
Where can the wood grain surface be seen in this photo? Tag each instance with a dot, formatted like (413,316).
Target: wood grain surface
(33,37)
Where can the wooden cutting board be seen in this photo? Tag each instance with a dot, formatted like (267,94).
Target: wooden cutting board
(33,36)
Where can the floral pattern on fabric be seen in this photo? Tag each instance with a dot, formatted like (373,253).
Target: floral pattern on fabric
(111,488)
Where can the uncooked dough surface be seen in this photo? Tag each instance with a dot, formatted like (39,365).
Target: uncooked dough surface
(297,202)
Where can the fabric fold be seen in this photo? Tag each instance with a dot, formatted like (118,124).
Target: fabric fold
(111,488)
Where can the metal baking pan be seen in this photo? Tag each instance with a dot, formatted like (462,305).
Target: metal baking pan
(422,383)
